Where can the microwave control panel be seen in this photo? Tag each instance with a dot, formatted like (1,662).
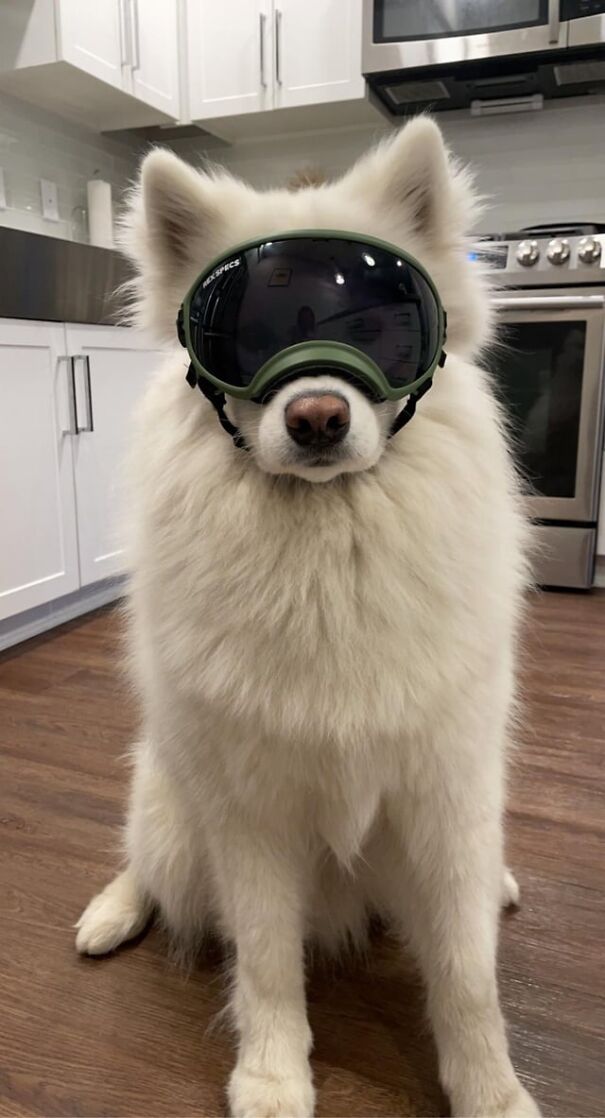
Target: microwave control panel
(578,9)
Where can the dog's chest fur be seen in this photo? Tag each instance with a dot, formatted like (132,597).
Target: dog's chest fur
(330,613)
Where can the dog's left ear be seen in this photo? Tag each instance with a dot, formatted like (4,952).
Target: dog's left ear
(412,176)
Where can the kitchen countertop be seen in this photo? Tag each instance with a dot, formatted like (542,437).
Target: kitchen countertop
(54,280)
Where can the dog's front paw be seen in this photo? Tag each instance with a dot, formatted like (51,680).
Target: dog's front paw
(255,1094)
(117,914)
(517,1104)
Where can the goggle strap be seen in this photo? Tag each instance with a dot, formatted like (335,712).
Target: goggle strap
(217,399)
(408,411)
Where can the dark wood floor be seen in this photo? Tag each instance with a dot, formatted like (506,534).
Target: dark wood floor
(130,1035)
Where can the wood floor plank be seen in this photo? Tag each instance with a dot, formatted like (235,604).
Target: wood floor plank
(130,1035)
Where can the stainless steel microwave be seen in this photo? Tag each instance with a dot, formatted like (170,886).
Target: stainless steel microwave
(445,53)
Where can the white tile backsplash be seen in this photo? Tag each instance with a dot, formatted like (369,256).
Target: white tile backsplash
(533,167)
(34,145)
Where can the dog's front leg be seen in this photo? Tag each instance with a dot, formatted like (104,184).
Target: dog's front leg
(451,845)
(262,886)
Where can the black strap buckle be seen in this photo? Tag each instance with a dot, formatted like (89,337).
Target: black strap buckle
(180,328)
(217,399)
(408,411)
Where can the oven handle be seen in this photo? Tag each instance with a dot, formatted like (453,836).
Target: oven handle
(549,302)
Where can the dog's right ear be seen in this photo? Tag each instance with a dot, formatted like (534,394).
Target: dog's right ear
(173,226)
(179,205)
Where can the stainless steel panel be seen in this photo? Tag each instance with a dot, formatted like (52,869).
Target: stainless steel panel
(573,270)
(377,57)
(554,22)
(564,556)
(58,281)
(588,30)
(583,506)
(548,302)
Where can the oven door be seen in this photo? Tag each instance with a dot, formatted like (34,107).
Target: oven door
(398,34)
(549,376)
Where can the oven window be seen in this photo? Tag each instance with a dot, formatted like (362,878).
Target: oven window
(538,376)
(403,20)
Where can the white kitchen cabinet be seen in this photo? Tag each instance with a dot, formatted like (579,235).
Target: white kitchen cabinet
(229,57)
(131,44)
(154,53)
(108,63)
(317,52)
(91,36)
(112,369)
(67,397)
(38,549)
(248,56)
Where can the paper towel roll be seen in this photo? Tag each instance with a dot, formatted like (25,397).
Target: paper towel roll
(100,217)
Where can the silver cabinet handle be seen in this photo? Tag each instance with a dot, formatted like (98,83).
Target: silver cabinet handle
(278,23)
(549,302)
(262,19)
(71,396)
(87,396)
(554,21)
(123,33)
(135,38)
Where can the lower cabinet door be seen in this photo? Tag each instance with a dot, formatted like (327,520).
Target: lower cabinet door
(38,545)
(113,365)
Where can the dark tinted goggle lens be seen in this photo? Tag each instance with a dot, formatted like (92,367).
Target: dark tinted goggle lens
(264,299)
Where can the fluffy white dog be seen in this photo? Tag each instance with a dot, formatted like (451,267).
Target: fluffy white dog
(324,654)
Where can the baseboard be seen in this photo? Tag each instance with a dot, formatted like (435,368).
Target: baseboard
(32,622)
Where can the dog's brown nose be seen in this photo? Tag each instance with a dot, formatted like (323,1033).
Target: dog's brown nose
(318,419)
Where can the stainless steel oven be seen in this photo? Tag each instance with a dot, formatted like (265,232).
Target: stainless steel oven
(549,376)
(424,52)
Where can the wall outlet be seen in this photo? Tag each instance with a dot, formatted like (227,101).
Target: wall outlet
(2,190)
(50,205)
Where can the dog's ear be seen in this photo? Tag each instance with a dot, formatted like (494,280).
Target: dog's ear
(180,207)
(413,177)
(173,226)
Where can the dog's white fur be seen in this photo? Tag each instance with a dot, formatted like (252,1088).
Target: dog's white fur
(326,670)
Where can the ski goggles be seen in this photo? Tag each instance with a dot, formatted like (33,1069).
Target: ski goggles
(309,302)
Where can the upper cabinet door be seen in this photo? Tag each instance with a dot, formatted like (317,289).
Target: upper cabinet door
(229,54)
(39,552)
(317,51)
(91,37)
(153,27)
(113,366)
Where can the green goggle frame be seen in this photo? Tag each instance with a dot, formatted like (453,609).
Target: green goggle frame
(323,355)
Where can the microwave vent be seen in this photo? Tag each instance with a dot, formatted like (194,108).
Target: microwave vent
(409,92)
(573,73)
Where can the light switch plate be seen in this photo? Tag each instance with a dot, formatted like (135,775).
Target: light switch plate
(50,205)
(2,190)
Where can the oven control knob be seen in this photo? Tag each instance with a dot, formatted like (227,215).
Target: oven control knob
(527,252)
(589,250)
(558,250)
